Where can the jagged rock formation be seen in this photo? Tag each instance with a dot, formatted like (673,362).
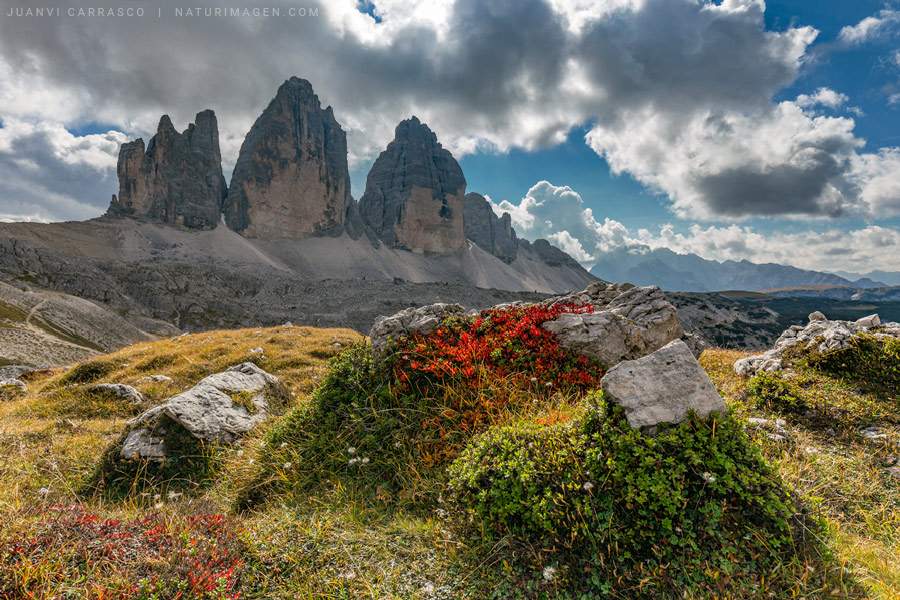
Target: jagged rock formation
(415,193)
(178,180)
(422,320)
(487,230)
(291,178)
(820,334)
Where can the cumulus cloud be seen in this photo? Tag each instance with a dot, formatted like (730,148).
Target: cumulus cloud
(557,213)
(822,96)
(870,27)
(46,173)
(678,92)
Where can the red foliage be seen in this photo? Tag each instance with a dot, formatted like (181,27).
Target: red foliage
(138,558)
(501,344)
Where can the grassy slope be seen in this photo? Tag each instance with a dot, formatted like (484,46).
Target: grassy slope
(345,543)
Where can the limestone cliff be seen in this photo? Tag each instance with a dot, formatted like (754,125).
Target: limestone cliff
(291,178)
(415,192)
(487,230)
(178,179)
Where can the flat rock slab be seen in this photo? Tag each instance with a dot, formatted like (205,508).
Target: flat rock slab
(662,387)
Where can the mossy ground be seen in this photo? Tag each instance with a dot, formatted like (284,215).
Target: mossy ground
(342,535)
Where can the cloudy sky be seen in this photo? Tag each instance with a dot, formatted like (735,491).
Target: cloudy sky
(731,128)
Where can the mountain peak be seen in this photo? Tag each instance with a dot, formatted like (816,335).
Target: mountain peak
(291,178)
(415,192)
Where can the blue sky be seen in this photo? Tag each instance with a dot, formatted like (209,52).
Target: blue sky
(736,128)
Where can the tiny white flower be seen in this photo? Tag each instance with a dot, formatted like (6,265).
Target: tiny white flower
(158,505)
(251,461)
(44,491)
(708,477)
(351,450)
(549,384)
(287,465)
(588,486)
(397,444)
(173,495)
(240,452)
(549,573)
(428,589)
(534,380)
(353,461)
(365,460)
(284,444)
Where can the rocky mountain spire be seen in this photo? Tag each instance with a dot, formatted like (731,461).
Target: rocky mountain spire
(291,178)
(415,193)
(487,230)
(178,179)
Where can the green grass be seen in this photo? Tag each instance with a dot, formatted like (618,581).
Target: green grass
(391,529)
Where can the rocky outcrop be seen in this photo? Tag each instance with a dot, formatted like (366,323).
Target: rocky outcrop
(120,390)
(627,322)
(819,334)
(662,387)
(177,180)
(488,231)
(291,178)
(415,193)
(219,409)
(422,320)
(15,385)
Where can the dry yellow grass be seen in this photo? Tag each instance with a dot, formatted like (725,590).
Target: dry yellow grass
(838,473)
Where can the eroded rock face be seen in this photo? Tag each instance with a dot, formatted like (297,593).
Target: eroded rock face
(209,411)
(178,179)
(291,178)
(422,320)
(822,334)
(628,322)
(415,193)
(488,231)
(662,387)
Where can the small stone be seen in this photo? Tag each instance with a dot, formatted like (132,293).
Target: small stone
(120,390)
(817,316)
(894,472)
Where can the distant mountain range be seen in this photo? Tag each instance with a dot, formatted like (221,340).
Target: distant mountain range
(890,278)
(691,273)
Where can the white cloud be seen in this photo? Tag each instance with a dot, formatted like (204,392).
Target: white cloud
(48,174)
(679,92)
(822,96)
(869,28)
(557,213)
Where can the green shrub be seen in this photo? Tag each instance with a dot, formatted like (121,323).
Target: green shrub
(88,372)
(870,360)
(687,507)
(771,391)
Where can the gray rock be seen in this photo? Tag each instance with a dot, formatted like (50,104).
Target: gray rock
(291,178)
(141,444)
(422,320)
(894,472)
(414,196)
(155,378)
(207,411)
(488,231)
(178,180)
(14,383)
(629,324)
(662,387)
(14,371)
(120,390)
(821,334)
